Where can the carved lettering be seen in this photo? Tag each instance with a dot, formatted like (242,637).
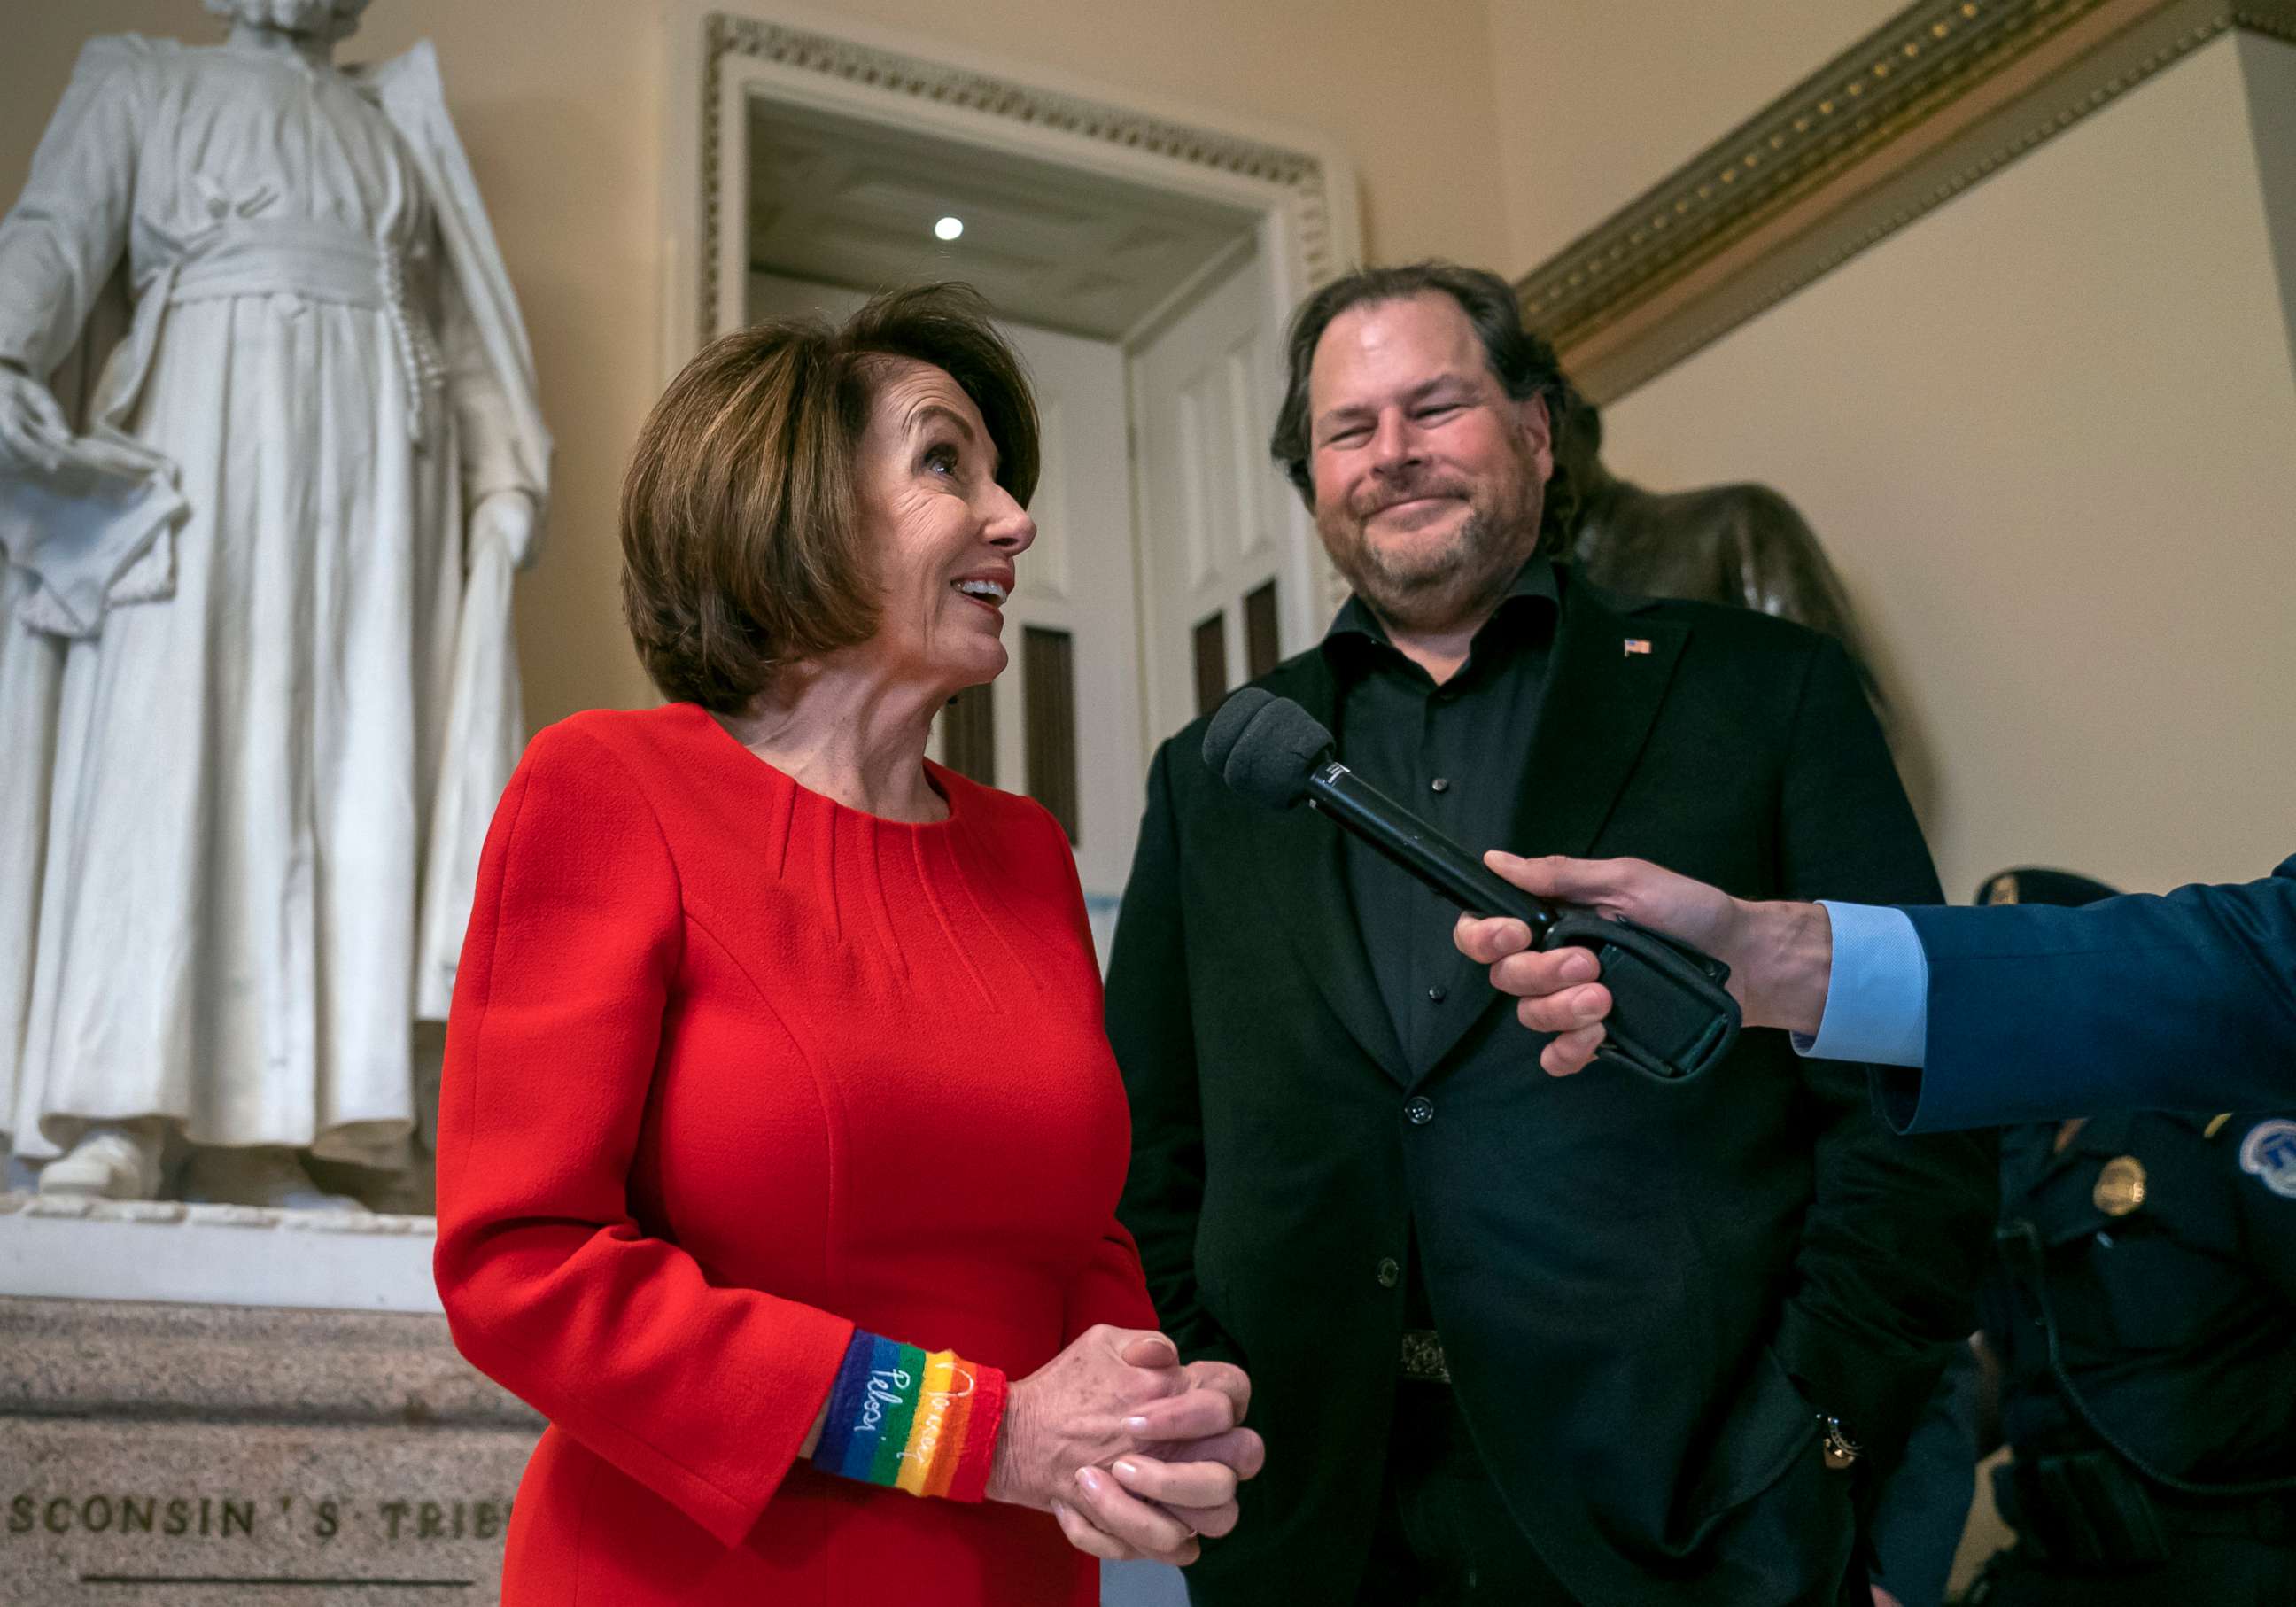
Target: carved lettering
(233,1517)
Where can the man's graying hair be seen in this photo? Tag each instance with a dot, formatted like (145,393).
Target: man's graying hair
(1524,363)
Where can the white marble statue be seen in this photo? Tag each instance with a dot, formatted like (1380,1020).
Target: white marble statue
(258,696)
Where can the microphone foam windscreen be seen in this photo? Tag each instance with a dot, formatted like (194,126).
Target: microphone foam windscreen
(1221,736)
(1269,750)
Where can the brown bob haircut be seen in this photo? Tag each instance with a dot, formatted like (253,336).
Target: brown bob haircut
(743,545)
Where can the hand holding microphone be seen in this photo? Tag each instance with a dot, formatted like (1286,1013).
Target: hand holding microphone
(1671,1014)
(1780,953)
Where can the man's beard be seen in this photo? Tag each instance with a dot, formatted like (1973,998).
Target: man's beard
(1436,589)
(328,19)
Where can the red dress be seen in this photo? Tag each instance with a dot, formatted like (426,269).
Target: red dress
(731,1069)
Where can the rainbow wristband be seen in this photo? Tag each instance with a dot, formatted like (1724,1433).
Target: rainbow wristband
(922,1422)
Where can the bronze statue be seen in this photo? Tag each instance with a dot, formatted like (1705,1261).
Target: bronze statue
(1736,544)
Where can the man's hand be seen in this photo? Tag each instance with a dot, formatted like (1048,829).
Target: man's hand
(1779,954)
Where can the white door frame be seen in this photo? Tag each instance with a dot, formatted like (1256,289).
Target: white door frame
(723,53)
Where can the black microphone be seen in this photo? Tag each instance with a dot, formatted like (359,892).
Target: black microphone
(1670,1015)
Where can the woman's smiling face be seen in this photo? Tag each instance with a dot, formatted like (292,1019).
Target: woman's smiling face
(945,536)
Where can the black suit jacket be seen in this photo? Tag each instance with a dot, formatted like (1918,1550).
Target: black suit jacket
(1645,1290)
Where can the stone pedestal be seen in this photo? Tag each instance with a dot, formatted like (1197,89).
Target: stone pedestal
(298,1432)
(243,1455)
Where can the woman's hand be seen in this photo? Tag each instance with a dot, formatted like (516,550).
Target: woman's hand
(1164,1496)
(1120,1395)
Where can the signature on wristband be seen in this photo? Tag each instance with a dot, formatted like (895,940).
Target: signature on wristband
(883,1382)
(937,1403)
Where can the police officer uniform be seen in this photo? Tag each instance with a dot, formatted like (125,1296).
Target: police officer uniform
(2143,1314)
(2140,1310)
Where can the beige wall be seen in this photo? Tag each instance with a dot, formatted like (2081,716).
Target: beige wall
(558,102)
(1597,100)
(1403,87)
(2049,434)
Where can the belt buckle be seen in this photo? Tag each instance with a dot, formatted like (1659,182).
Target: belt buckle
(1422,1356)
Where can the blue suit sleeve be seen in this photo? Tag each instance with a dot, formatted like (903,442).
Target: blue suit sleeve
(2183,1001)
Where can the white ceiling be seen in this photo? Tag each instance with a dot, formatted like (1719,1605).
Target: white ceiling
(843,201)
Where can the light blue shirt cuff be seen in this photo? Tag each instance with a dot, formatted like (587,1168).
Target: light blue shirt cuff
(1877,998)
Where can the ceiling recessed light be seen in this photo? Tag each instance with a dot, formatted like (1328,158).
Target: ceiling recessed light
(948,228)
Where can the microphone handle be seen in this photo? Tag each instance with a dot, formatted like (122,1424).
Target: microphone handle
(1421,850)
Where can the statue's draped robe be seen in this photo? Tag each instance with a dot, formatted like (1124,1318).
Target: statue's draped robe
(258,709)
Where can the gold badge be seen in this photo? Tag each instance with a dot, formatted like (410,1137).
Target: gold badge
(2120,1187)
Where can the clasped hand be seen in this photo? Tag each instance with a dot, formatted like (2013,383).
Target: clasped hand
(1134,1454)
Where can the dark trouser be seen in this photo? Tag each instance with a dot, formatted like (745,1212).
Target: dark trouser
(2091,1531)
(1443,1535)
(2202,1570)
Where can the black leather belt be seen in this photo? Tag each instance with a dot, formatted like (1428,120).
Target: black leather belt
(1422,1356)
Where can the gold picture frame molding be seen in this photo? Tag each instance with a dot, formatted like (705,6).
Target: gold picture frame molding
(1944,95)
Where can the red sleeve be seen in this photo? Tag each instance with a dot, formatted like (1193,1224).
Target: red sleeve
(1112,1288)
(702,1394)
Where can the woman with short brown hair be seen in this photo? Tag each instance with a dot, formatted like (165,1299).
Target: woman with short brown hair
(779,1131)
(743,544)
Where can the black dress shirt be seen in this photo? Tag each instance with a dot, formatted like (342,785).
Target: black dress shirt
(1455,755)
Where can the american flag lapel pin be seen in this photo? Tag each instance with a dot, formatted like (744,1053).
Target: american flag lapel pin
(1636,644)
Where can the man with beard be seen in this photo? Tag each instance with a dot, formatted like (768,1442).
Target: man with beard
(1518,1339)
(256,677)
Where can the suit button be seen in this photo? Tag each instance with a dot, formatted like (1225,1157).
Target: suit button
(1419,1111)
(1389,1272)
(1436,996)
(1441,784)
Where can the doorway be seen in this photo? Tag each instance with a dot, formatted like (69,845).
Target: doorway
(1143,268)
